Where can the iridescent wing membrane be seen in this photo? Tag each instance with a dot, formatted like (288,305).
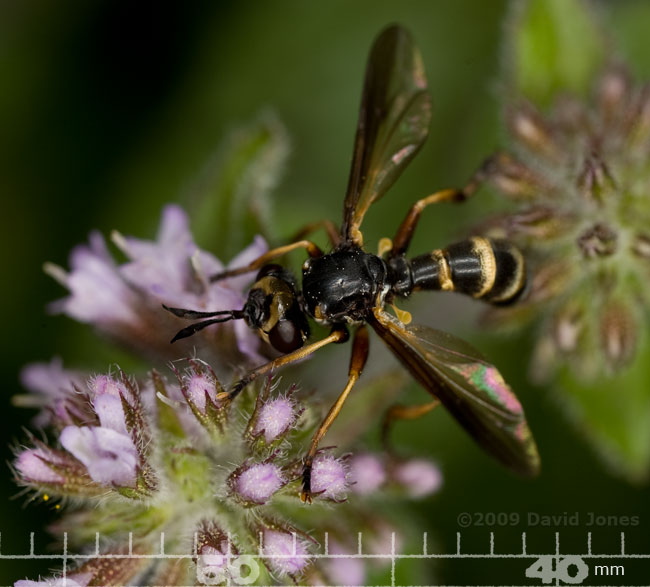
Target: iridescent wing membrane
(470,388)
(393,124)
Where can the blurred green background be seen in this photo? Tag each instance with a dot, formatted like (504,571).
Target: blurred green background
(109,110)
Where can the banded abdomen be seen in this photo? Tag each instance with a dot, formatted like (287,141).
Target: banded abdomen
(489,269)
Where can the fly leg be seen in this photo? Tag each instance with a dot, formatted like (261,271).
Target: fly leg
(357,363)
(406,230)
(330,228)
(401,412)
(337,335)
(262,260)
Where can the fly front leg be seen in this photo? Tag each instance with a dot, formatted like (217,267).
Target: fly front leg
(338,335)
(330,228)
(406,230)
(312,250)
(357,363)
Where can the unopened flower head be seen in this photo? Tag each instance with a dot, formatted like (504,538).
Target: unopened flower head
(329,477)
(288,552)
(578,175)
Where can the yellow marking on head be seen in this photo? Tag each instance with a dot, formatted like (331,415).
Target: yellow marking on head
(385,245)
(485,253)
(282,298)
(444,272)
(402,315)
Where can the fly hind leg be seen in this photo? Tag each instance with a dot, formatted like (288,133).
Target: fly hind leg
(406,230)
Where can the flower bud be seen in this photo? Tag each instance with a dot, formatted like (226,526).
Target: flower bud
(54,471)
(511,177)
(613,91)
(291,551)
(618,334)
(568,327)
(532,131)
(275,418)
(213,548)
(256,484)
(35,466)
(367,473)
(344,571)
(200,386)
(418,477)
(329,477)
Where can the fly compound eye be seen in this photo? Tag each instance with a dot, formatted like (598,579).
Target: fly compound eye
(285,336)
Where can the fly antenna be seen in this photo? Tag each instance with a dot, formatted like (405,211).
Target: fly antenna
(223,316)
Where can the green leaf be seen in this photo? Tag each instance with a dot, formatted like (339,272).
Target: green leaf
(553,45)
(229,204)
(614,414)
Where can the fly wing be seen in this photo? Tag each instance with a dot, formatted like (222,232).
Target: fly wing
(469,387)
(393,124)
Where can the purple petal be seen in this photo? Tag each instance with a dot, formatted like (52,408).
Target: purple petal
(248,343)
(292,552)
(98,293)
(367,473)
(110,411)
(259,482)
(50,378)
(257,248)
(174,226)
(110,457)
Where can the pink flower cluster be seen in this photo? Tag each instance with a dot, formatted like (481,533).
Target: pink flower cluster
(124,301)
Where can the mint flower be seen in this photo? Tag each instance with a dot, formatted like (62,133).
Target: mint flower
(110,457)
(123,301)
(157,451)
(159,454)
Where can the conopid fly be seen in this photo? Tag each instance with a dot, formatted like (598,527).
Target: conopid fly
(349,287)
